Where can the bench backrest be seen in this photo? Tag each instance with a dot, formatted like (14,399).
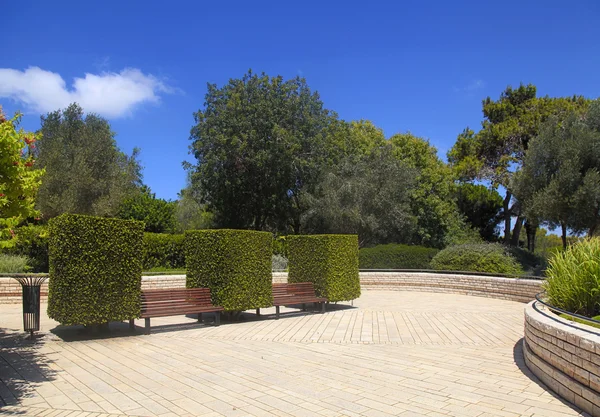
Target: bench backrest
(176,297)
(296,289)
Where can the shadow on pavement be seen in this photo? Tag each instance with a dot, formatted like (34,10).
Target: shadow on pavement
(519,359)
(23,367)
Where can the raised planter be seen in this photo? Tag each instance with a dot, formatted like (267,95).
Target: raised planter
(564,355)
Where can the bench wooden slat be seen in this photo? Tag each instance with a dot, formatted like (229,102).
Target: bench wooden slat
(176,301)
(296,293)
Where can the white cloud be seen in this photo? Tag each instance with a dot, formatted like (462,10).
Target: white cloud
(473,86)
(109,94)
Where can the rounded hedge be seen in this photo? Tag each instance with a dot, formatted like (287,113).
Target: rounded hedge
(95,269)
(234,264)
(396,256)
(483,257)
(330,262)
(573,278)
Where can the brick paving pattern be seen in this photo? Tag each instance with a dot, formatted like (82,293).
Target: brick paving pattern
(393,354)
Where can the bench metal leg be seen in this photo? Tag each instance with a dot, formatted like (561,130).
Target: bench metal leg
(322,307)
(258,311)
(131,324)
(199,317)
(147,319)
(277,312)
(217,318)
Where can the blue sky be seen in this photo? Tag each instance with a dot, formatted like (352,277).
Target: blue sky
(418,66)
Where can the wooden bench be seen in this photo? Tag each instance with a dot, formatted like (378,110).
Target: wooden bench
(176,301)
(298,293)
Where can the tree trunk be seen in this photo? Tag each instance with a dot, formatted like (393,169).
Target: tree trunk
(563,226)
(517,231)
(506,207)
(531,229)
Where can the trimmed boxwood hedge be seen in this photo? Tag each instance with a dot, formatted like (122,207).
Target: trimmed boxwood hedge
(234,264)
(163,250)
(395,256)
(95,269)
(330,262)
(484,257)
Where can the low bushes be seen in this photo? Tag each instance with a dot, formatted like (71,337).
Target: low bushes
(95,269)
(234,264)
(31,243)
(13,264)
(485,257)
(330,262)
(395,256)
(573,278)
(163,251)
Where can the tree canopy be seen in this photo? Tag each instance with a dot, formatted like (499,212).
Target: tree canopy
(156,213)
(19,177)
(86,173)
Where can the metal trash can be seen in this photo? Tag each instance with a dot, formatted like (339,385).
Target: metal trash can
(31,288)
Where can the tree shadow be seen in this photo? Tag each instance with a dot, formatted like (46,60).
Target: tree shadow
(23,367)
(519,358)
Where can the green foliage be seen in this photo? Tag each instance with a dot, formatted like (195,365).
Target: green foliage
(531,264)
(95,269)
(485,257)
(330,262)
(234,264)
(369,196)
(432,199)
(156,213)
(280,262)
(31,242)
(560,180)
(164,251)
(280,246)
(13,264)
(190,214)
(19,180)
(86,173)
(481,206)
(394,256)
(573,278)
(258,141)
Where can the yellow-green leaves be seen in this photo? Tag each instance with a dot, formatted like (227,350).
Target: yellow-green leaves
(95,269)
(19,179)
(330,262)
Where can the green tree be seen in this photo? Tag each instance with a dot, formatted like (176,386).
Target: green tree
(258,142)
(482,208)
(156,213)
(190,214)
(432,199)
(496,152)
(559,183)
(86,173)
(369,196)
(19,179)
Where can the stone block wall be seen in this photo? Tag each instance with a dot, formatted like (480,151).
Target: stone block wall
(522,290)
(564,355)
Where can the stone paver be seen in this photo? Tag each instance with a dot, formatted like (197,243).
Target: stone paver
(393,353)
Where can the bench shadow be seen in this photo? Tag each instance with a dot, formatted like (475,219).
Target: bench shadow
(519,358)
(23,367)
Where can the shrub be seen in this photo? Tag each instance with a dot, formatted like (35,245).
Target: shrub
(234,264)
(485,257)
(32,243)
(280,263)
(330,262)
(95,269)
(531,263)
(394,256)
(13,264)
(163,251)
(573,278)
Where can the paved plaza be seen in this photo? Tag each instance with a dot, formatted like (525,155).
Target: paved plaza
(391,354)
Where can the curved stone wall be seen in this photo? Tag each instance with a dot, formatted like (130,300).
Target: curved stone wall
(564,355)
(522,290)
